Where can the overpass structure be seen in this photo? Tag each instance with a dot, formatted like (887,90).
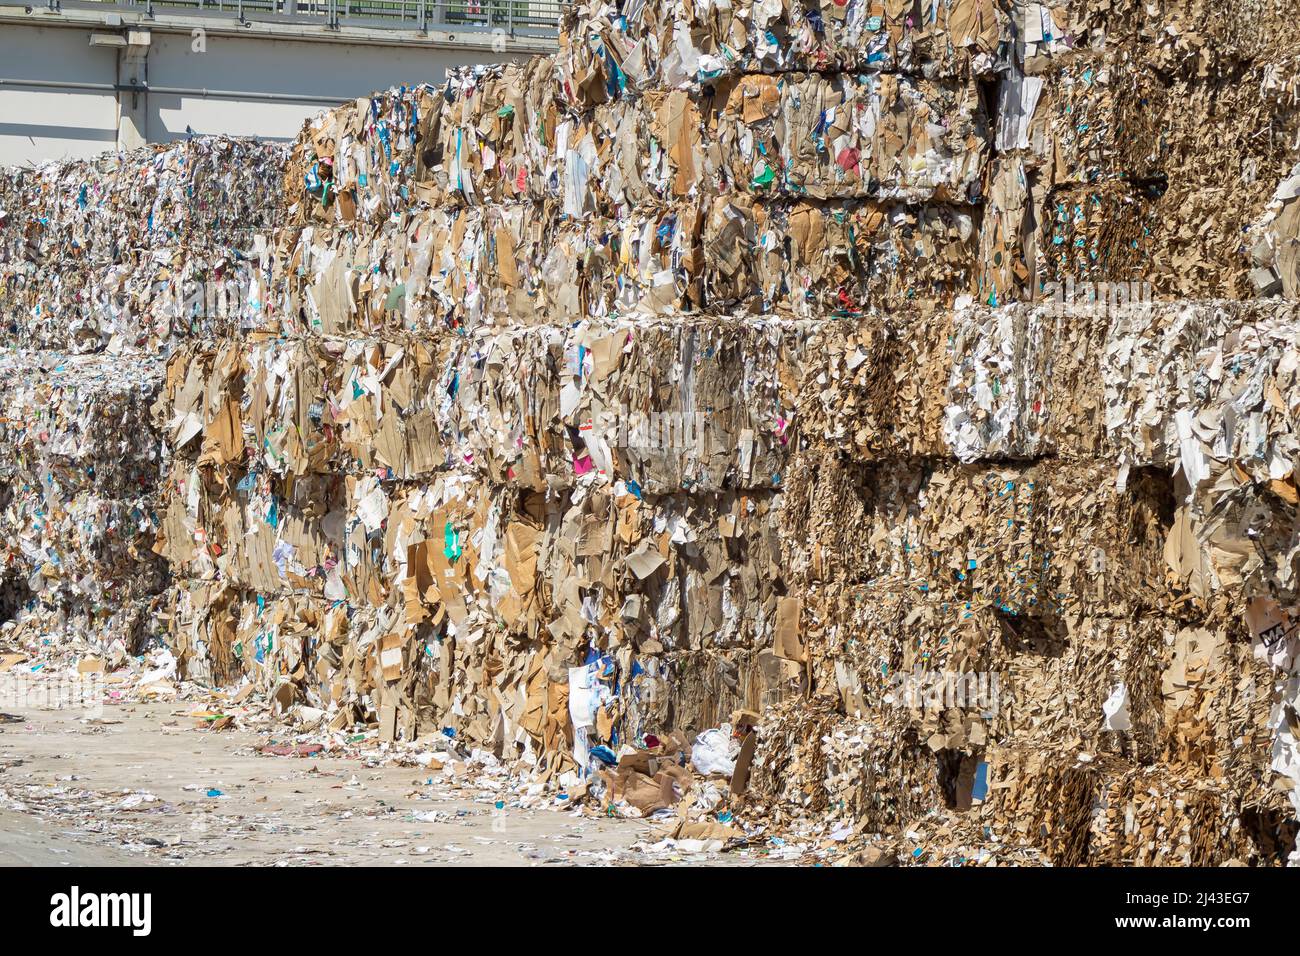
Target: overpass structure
(79,78)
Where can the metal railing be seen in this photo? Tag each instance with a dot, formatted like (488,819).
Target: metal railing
(535,17)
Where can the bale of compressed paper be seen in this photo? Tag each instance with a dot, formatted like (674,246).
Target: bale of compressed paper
(80,463)
(138,248)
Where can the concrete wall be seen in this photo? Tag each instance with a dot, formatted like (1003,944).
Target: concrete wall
(42,124)
(286,67)
(61,97)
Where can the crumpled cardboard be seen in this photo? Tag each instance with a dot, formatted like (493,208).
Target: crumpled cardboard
(716,364)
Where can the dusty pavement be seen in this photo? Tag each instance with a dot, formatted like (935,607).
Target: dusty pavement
(142,786)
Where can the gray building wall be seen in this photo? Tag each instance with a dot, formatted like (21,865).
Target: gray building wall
(62,75)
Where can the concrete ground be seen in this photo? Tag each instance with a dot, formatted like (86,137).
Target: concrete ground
(143,786)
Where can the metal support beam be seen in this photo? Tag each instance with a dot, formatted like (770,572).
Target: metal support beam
(73,86)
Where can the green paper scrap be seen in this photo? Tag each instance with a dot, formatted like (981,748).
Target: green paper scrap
(452,549)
